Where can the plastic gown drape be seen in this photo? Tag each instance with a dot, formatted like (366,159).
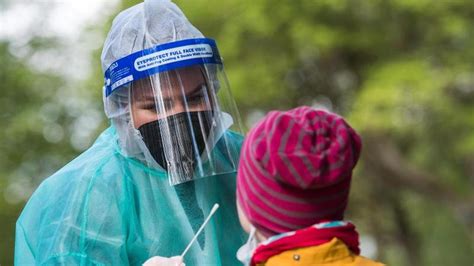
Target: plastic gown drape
(106,209)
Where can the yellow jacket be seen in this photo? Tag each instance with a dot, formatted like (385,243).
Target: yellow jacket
(334,252)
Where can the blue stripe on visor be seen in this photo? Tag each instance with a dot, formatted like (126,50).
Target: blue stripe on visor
(160,58)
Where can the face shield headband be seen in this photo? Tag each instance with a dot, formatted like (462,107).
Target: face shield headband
(158,59)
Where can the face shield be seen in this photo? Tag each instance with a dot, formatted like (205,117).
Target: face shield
(180,107)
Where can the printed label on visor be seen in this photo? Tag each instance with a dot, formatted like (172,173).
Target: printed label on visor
(160,58)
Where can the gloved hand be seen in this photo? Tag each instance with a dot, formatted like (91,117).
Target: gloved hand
(162,261)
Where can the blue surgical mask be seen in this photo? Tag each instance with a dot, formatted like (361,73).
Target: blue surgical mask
(245,252)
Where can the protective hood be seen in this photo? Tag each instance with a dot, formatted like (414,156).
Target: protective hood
(167,94)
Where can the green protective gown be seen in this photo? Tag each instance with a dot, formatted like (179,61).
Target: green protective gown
(106,209)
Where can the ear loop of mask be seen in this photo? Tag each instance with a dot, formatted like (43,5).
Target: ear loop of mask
(245,252)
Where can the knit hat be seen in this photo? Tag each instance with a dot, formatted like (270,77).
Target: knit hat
(295,169)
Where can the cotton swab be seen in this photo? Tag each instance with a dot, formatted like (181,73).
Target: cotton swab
(213,210)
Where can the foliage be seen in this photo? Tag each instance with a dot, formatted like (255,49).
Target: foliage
(400,70)
(34,141)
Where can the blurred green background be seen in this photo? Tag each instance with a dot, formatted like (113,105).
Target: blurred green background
(401,71)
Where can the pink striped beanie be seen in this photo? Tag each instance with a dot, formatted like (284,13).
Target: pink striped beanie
(295,169)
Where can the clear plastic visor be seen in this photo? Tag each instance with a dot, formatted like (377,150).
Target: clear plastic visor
(181,118)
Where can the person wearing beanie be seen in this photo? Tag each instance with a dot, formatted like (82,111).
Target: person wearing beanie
(293,184)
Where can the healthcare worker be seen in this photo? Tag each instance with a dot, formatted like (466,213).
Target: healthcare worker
(145,186)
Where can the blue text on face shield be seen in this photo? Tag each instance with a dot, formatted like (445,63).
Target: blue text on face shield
(160,58)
